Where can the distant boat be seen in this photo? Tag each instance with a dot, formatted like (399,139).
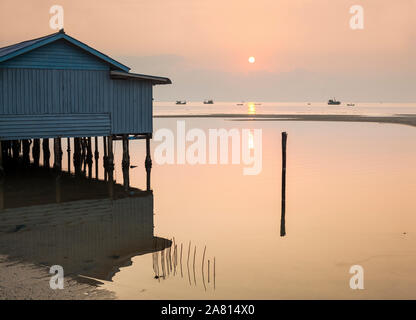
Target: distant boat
(351,104)
(334,102)
(209,101)
(240,104)
(180,102)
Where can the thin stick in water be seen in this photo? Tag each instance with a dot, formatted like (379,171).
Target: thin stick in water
(181,261)
(194,265)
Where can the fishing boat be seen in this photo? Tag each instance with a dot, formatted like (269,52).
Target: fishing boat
(350,104)
(334,102)
(209,101)
(180,102)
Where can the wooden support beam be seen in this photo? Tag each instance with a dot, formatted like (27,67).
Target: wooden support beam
(16,149)
(26,151)
(126,162)
(89,156)
(57,150)
(96,157)
(68,151)
(2,205)
(1,160)
(77,156)
(148,163)
(110,166)
(36,152)
(105,158)
(46,153)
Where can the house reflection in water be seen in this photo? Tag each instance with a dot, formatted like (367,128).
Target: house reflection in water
(86,232)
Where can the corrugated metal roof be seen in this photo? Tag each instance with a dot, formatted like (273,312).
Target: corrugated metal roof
(9,52)
(136,76)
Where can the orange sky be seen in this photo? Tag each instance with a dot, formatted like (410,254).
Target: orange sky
(178,38)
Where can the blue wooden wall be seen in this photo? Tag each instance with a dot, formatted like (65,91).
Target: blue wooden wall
(72,89)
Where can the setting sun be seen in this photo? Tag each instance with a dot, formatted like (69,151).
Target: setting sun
(251,59)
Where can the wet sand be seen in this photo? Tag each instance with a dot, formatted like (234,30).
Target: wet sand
(24,281)
(405,119)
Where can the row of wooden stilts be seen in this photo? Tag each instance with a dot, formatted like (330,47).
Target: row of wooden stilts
(14,150)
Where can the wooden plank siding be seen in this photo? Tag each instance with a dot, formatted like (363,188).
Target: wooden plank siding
(27,91)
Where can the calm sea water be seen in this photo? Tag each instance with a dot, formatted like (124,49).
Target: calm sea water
(169,108)
(349,201)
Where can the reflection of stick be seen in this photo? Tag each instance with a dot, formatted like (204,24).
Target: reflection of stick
(203,263)
(176,256)
(167,257)
(162,262)
(181,261)
(194,265)
(214,273)
(187,263)
(170,256)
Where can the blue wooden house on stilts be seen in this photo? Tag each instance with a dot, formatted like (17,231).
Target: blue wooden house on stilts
(57,87)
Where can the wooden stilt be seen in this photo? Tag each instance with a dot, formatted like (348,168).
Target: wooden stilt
(36,152)
(89,156)
(110,166)
(26,151)
(46,153)
(16,149)
(77,155)
(84,155)
(1,190)
(126,162)
(2,148)
(148,162)
(105,158)
(57,154)
(283,209)
(68,150)
(1,160)
(96,157)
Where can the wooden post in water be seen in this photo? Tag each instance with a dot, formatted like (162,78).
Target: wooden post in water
(110,166)
(46,153)
(126,162)
(96,157)
(36,152)
(148,162)
(283,209)
(68,151)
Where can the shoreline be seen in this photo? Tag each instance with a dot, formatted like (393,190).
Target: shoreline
(27,281)
(403,119)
